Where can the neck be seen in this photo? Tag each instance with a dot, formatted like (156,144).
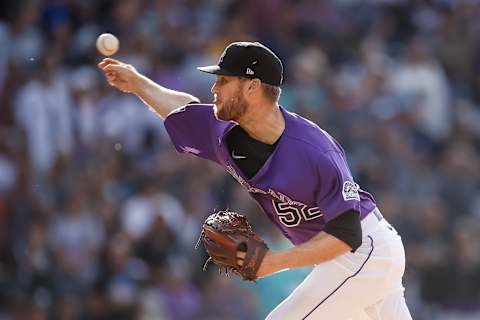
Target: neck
(263,123)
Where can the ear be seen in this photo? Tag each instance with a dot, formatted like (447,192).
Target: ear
(254,85)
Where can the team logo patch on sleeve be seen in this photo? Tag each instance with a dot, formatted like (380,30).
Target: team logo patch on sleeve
(350,191)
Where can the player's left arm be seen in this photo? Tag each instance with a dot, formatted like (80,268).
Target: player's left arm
(341,235)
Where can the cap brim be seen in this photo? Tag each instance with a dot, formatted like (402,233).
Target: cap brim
(215,70)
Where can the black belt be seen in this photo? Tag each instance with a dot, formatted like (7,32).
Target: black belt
(377,214)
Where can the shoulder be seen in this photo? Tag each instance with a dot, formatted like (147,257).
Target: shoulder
(192,108)
(192,114)
(195,120)
(307,135)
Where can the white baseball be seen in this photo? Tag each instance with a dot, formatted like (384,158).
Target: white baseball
(107,44)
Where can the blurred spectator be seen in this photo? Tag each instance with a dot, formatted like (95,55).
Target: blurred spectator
(76,237)
(420,80)
(122,277)
(86,125)
(43,111)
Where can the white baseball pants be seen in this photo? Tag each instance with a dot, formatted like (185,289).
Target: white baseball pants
(363,285)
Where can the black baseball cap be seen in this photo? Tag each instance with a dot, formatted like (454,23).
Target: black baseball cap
(249,60)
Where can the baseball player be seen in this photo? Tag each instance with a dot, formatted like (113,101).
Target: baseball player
(298,174)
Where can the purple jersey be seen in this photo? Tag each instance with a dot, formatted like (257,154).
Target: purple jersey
(304,183)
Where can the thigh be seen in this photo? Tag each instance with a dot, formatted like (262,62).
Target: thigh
(393,307)
(322,287)
(360,315)
(338,289)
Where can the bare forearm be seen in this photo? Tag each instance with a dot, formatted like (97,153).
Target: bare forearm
(323,247)
(126,78)
(160,99)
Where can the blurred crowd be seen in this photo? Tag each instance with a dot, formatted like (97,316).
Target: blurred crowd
(98,214)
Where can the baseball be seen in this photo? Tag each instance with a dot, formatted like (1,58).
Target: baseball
(107,44)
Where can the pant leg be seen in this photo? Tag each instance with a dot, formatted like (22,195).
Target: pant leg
(393,307)
(360,315)
(339,288)
(323,286)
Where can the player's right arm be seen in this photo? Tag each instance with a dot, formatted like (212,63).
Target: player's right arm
(125,78)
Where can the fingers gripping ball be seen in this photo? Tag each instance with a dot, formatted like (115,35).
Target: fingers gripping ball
(107,44)
(232,245)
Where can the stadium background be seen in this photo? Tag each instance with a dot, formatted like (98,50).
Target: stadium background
(98,215)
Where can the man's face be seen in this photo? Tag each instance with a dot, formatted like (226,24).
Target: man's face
(229,101)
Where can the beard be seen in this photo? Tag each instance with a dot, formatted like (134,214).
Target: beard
(233,109)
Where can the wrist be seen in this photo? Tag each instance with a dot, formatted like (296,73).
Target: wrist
(277,261)
(271,264)
(140,84)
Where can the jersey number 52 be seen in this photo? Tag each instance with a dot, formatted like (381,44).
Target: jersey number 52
(291,216)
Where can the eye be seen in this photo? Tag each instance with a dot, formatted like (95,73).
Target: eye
(222,81)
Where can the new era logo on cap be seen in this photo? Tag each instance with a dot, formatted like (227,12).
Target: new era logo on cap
(250,60)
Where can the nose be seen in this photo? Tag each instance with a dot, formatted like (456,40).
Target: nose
(214,88)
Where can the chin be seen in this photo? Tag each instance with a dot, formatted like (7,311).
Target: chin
(215,111)
(217,107)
